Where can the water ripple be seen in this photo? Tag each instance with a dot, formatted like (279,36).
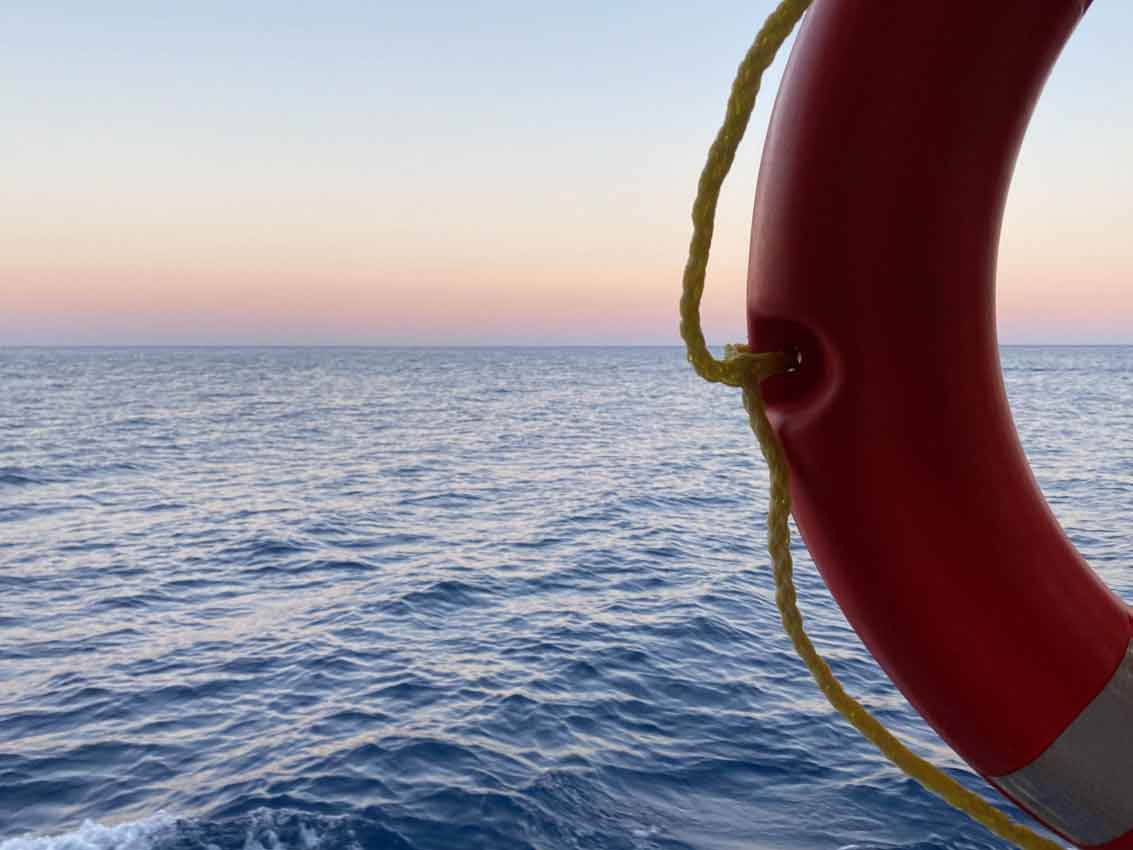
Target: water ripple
(297,599)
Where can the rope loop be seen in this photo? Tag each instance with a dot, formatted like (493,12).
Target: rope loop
(740,366)
(721,155)
(745,369)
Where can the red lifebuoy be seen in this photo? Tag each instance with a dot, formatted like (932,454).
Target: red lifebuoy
(873,253)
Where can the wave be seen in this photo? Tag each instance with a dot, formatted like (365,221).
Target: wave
(142,834)
(259,829)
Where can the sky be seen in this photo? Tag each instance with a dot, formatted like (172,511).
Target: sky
(478,172)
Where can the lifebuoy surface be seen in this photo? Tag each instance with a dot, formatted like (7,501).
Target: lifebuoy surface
(873,253)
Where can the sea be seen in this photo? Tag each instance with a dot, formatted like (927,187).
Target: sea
(446,599)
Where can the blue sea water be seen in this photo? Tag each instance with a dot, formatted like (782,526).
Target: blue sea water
(288,599)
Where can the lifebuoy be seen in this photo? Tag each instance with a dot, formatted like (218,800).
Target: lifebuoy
(873,251)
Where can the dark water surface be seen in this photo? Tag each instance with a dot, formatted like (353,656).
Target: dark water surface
(256,599)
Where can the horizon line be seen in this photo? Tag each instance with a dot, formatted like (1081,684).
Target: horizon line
(457,346)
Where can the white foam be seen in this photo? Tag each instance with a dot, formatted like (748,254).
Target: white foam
(309,837)
(262,832)
(132,835)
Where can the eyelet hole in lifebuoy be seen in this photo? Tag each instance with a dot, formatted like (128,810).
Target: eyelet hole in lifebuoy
(809,375)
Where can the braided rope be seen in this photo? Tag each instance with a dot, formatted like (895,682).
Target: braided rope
(744,369)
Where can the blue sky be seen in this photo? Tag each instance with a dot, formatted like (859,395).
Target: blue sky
(454,172)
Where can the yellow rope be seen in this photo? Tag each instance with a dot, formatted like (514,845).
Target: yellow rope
(744,369)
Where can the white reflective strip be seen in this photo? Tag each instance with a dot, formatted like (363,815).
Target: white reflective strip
(1082,784)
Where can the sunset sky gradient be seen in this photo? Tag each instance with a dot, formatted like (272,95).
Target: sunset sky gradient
(460,173)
